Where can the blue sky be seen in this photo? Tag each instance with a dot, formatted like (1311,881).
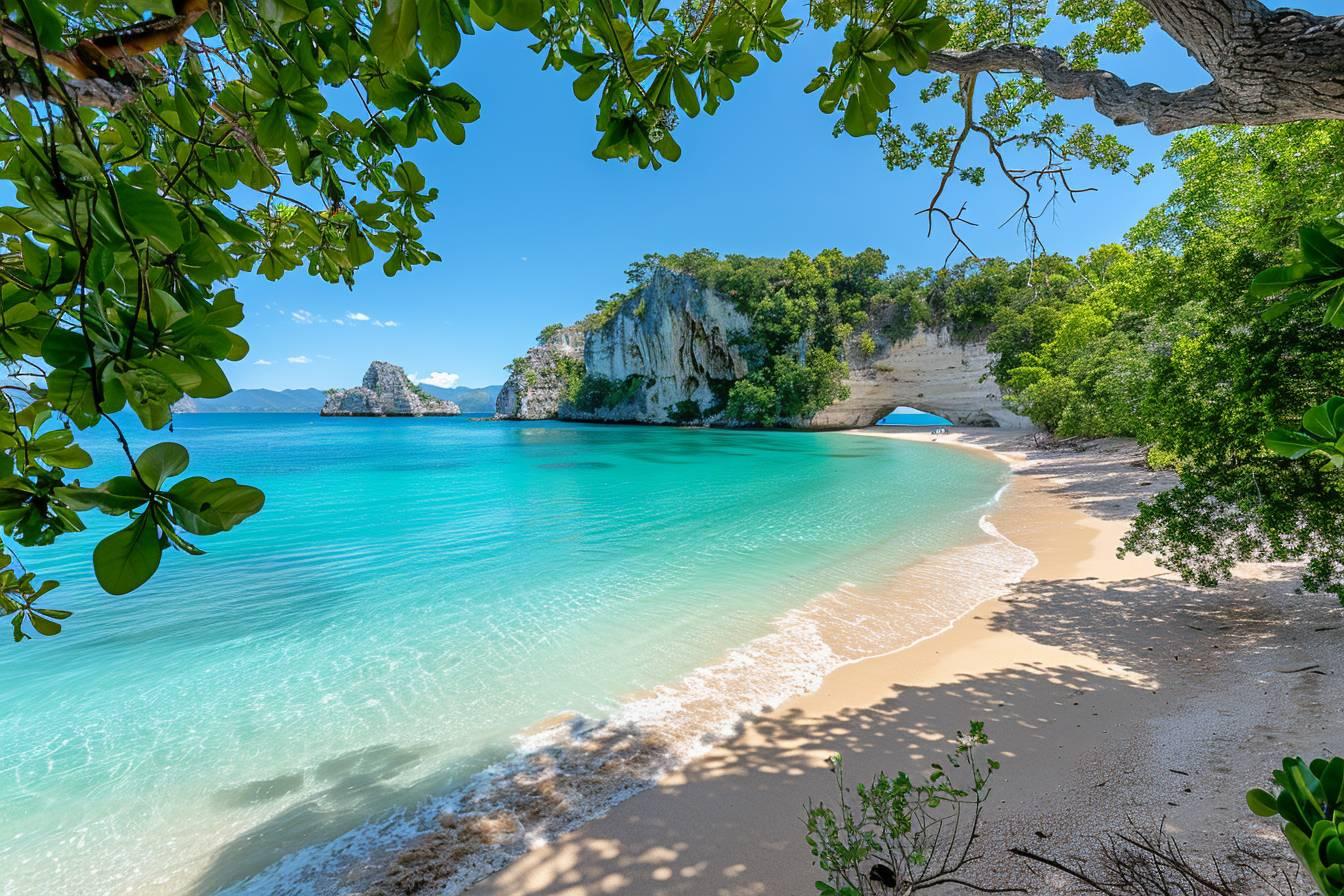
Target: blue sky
(533,230)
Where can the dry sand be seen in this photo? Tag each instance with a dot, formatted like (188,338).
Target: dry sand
(1109,689)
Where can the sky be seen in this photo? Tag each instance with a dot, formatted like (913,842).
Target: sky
(533,230)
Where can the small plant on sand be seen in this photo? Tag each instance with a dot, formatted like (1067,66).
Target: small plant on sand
(1311,803)
(903,836)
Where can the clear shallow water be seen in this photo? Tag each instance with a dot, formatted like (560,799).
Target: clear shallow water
(415,597)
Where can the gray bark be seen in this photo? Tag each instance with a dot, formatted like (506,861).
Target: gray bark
(1265,66)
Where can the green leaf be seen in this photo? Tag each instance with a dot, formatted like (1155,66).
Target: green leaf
(685,93)
(125,560)
(1334,309)
(439,37)
(47,22)
(1262,803)
(203,507)
(65,349)
(71,392)
(1290,444)
(149,215)
(42,626)
(160,462)
(1317,422)
(1275,280)
(586,84)
(282,12)
(1318,250)
(392,37)
(118,495)
(519,15)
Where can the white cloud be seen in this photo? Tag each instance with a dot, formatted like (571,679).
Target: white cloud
(384,323)
(299,359)
(339,323)
(262,362)
(356,315)
(437,378)
(304,317)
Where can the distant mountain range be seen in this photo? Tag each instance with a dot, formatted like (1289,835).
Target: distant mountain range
(309,401)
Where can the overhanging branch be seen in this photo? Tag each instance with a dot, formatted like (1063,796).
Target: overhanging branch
(1160,111)
(1265,67)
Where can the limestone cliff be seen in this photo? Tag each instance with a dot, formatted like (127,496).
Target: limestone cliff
(666,355)
(386,392)
(542,378)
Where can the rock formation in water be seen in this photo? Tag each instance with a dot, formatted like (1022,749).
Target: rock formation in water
(386,392)
(542,378)
(668,354)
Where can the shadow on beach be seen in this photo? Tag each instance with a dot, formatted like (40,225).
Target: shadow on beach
(1077,745)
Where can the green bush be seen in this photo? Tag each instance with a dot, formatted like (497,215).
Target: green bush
(752,402)
(902,836)
(1311,803)
(570,373)
(547,332)
(685,411)
(598,392)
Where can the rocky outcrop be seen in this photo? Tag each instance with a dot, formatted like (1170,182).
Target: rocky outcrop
(386,392)
(930,371)
(667,355)
(542,378)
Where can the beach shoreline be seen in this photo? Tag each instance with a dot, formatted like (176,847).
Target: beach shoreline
(1078,674)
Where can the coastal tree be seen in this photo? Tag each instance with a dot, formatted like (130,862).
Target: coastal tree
(1164,339)
(155,150)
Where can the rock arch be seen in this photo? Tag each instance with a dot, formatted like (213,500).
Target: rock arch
(931,371)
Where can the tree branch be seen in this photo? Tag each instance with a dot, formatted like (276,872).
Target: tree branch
(1267,67)
(1159,110)
(98,66)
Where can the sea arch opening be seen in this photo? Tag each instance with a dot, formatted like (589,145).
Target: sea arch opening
(906,415)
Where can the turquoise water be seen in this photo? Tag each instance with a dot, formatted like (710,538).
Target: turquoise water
(414,597)
(906,416)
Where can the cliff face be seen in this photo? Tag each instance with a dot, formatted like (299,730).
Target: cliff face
(540,379)
(386,392)
(667,347)
(667,355)
(929,371)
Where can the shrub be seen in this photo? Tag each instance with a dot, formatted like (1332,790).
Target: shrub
(547,332)
(752,402)
(867,344)
(595,392)
(1311,803)
(570,373)
(902,836)
(685,411)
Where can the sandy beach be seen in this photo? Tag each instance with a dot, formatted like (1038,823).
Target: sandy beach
(1109,689)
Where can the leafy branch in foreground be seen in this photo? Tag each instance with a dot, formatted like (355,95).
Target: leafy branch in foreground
(1311,803)
(903,836)
(1319,275)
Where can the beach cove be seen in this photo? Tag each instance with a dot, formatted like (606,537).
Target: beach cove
(1109,690)
(435,615)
